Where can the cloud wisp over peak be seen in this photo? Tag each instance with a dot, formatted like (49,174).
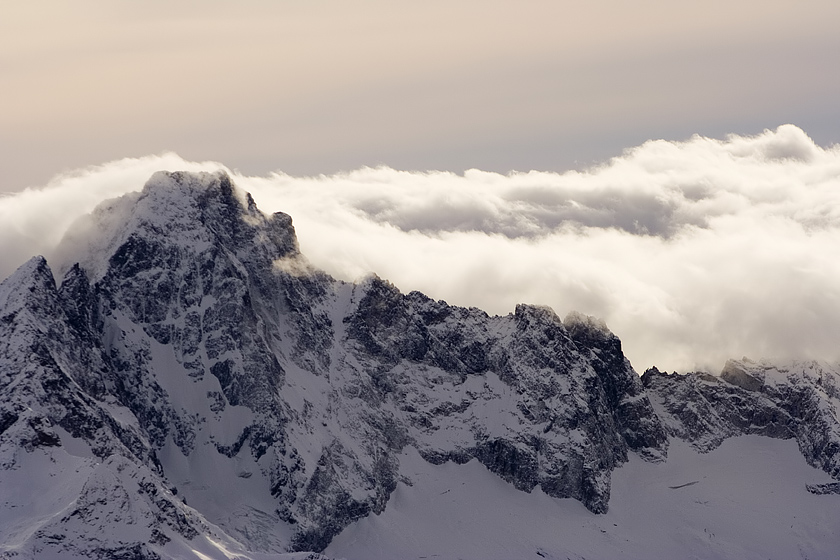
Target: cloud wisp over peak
(692,252)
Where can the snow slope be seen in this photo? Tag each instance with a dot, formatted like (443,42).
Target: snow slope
(744,500)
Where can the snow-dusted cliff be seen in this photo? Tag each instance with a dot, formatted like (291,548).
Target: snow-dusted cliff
(192,388)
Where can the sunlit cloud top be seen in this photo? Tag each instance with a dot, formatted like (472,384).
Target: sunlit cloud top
(692,252)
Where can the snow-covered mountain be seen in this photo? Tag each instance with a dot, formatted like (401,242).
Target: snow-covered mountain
(192,388)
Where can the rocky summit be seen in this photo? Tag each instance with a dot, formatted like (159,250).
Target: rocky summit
(192,387)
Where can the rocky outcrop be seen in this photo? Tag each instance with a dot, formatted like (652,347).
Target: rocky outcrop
(795,400)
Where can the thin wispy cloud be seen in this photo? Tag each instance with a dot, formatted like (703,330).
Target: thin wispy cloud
(693,252)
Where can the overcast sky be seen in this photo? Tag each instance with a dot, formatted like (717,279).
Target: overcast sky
(694,245)
(318,86)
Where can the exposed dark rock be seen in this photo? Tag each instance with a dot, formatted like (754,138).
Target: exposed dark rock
(762,399)
(738,376)
(822,489)
(516,465)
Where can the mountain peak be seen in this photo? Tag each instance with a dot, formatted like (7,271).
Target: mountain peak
(184,211)
(31,280)
(35,270)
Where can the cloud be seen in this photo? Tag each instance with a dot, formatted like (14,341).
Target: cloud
(33,221)
(692,252)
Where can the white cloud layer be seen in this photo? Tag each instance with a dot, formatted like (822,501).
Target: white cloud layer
(693,252)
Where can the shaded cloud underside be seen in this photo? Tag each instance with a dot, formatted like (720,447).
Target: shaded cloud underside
(692,252)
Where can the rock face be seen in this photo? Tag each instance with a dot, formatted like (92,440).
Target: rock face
(798,400)
(198,389)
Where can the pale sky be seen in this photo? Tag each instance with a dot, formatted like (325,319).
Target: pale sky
(318,86)
(685,155)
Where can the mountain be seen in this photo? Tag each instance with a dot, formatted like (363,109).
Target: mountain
(192,387)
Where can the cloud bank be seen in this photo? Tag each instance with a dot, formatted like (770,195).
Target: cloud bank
(692,252)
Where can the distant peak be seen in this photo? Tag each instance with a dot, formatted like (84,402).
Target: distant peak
(576,319)
(32,277)
(538,312)
(193,178)
(200,186)
(34,271)
(189,210)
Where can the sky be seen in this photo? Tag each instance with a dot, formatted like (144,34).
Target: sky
(667,166)
(324,86)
